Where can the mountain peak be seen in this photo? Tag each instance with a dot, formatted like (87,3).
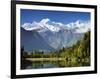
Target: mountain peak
(46,24)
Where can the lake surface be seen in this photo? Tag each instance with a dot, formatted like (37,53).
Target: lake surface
(26,64)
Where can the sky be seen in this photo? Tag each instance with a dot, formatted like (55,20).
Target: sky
(43,20)
(65,17)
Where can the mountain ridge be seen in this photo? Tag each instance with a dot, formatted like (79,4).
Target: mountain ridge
(52,36)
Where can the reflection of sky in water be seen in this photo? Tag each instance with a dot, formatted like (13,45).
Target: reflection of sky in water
(42,66)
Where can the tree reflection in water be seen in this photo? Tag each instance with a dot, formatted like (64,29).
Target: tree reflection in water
(54,64)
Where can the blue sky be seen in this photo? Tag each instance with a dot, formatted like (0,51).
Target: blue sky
(65,17)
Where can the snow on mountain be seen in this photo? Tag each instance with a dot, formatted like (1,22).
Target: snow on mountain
(45,24)
(42,25)
(58,35)
(79,26)
(29,26)
(83,27)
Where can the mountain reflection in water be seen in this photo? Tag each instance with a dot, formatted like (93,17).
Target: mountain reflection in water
(52,64)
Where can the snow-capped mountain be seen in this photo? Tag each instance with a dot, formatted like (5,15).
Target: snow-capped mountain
(56,35)
(79,26)
(42,25)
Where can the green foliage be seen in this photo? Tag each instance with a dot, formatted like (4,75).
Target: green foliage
(80,49)
(74,56)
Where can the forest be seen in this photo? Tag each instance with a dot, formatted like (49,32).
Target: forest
(79,52)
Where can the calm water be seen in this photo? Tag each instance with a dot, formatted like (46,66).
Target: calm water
(52,64)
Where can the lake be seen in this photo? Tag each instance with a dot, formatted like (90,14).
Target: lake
(32,63)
